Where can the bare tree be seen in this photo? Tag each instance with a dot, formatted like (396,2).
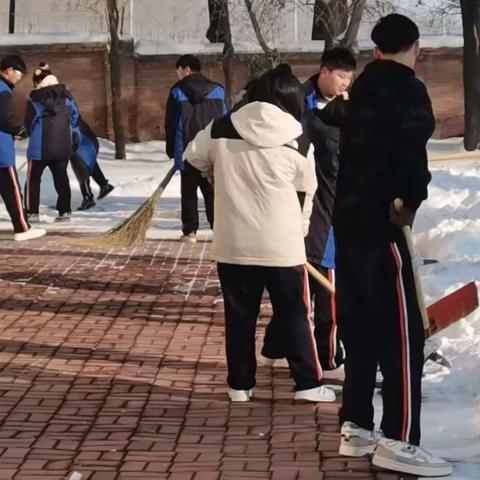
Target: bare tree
(337,22)
(220,31)
(471,71)
(115,63)
(272,54)
(113,16)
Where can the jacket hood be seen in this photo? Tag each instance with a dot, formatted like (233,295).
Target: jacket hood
(52,97)
(265,125)
(196,87)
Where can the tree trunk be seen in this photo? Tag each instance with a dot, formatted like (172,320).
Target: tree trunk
(219,31)
(350,39)
(271,53)
(116,78)
(471,71)
(330,19)
(11,17)
(228,53)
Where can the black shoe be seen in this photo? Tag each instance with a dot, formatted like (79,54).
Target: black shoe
(105,190)
(86,204)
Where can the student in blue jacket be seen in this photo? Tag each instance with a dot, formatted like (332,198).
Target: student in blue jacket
(85,165)
(50,120)
(194,101)
(12,69)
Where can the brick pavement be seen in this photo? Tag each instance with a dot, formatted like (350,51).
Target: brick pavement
(112,364)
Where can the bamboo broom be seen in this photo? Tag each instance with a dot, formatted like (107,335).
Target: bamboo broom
(132,231)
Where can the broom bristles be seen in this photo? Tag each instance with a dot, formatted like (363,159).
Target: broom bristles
(133,230)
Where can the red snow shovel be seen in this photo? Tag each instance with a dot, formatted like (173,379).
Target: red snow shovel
(447,310)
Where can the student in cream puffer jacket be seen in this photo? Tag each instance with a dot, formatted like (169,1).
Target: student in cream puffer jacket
(260,226)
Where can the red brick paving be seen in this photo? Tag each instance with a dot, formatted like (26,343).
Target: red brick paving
(112,364)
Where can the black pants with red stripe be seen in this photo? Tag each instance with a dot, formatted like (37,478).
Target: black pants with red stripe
(12,196)
(380,325)
(242,288)
(330,352)
(60,182)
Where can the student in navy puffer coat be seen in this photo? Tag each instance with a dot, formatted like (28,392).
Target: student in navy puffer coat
(51,119)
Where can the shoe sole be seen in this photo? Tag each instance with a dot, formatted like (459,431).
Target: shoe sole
(349,451)
(30,238)
(411,469)
(314,399)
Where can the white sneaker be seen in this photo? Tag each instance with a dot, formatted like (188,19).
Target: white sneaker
(337,374)
(29,234)
(240,395)
(406,458)
(357,441)
(272,362)
(317,394)
(33,218)
(64,217)
(190,238)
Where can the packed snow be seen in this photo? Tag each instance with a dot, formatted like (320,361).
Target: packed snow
(447,228)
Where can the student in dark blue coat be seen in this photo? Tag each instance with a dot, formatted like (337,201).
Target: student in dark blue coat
(12,69)
(84,163)
(51,118)
(194,101)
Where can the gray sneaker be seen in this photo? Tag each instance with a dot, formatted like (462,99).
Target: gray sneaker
(64,217)
(406,458)
(357,441)
(33,218)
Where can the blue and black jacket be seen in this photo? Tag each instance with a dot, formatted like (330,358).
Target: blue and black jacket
(9,126)
(87,146)
(51,119)
(192,104)
(320,242)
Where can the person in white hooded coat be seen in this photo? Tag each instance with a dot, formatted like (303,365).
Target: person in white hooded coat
(258,236)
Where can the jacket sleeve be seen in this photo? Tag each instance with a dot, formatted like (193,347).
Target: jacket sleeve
(29,116)
(8,122)
(335,112)
(410,169)
(325,139)
(198,152)
(172,117)
(306,182)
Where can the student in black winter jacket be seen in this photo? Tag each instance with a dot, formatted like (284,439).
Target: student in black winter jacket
(50,120)
(389,120)
(194,101)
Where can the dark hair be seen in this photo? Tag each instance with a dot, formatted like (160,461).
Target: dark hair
(189,61)
(395,33)
(339,59)
(13,61)
(281,88)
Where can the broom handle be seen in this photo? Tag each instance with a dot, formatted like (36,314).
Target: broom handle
(167,178)
(324,282)
(453,156)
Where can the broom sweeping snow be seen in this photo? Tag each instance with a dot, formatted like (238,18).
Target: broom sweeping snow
(132,231)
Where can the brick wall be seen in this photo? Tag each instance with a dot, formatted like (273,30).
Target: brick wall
(147,81)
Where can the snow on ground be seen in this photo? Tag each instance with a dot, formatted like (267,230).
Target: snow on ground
(447,228)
